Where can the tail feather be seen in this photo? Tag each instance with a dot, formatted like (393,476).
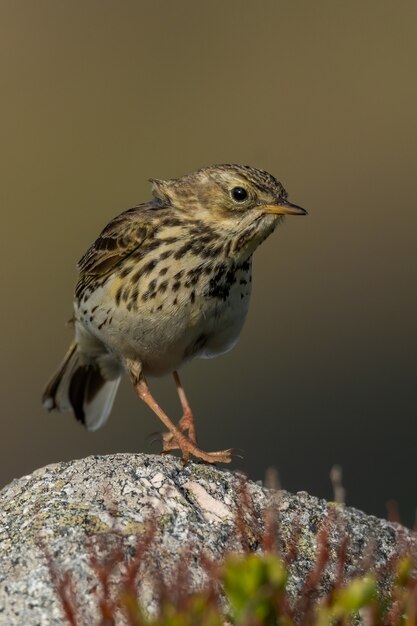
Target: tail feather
(83,389)
(52,397)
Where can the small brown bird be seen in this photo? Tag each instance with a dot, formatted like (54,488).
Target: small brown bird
(165,282)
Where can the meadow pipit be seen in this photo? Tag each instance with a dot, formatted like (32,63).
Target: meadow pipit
(165,282)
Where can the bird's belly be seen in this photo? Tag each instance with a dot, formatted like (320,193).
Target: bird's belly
(224,325)
(165,332)
(159,342)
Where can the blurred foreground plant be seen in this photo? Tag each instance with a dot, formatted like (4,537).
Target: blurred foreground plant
(246,589)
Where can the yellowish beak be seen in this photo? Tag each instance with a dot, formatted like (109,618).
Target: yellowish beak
(284,208)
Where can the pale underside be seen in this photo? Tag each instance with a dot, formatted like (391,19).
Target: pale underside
(202,328)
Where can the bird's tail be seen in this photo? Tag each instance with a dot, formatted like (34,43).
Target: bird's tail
(83,389)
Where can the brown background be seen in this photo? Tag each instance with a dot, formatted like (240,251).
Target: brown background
(98,96)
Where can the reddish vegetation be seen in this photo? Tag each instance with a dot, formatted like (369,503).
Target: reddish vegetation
(181,605)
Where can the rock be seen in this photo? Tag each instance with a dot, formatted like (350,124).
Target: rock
(67,517)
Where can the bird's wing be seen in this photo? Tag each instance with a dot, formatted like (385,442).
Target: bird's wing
(119,238)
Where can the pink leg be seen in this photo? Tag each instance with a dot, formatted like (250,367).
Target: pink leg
(187,420)
(185,444)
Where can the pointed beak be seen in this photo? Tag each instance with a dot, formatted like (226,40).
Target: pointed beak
(284,208)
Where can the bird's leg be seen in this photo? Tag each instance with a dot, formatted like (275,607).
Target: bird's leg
(185,425)
(185,444)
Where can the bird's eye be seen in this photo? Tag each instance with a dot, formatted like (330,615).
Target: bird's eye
(239,194)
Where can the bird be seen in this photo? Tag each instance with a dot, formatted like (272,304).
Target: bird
(167,281)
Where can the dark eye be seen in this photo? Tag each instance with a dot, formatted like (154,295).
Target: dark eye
(239,194)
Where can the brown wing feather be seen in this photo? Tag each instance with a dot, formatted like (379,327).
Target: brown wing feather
(119,238)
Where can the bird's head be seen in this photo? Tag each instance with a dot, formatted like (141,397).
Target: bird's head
(227,190)
(235,197)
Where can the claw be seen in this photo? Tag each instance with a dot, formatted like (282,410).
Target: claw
(154,438)
(235,453)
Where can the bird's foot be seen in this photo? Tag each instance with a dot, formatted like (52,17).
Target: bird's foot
(190,448)
(186,426)
(220,456)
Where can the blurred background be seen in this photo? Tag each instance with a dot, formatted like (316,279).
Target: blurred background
(98,96)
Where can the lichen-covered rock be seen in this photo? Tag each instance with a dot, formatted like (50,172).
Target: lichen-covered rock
(67,516)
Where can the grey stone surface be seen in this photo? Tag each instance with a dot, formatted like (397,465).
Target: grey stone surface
(70,510)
